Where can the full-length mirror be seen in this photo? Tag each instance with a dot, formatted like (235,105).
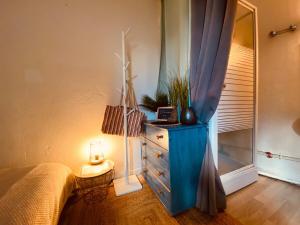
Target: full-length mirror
(236,111)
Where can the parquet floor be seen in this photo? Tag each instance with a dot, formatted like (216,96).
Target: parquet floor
(267,202)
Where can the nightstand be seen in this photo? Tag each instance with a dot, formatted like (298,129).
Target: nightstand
(93,180)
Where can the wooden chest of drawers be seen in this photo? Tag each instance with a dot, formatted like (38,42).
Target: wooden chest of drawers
(171,160)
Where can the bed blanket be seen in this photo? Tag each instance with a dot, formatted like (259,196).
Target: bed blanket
(38,197)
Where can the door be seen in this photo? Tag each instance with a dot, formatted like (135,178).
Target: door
(235,119)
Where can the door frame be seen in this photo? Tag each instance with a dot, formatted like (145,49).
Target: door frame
(235,180)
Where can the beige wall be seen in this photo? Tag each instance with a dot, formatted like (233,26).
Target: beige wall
(279,78)
(58,71)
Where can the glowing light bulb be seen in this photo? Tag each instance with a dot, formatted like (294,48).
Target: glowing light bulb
(96,153)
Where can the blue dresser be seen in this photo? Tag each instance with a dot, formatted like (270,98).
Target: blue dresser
(171,160)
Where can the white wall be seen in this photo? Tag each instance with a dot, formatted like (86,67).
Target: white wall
(58,71)
(279,82)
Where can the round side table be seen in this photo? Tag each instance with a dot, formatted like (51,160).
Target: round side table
(93,181)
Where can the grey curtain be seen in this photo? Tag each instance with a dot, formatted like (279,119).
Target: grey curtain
(212,24)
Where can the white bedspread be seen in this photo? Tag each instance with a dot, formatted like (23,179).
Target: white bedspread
(37,197)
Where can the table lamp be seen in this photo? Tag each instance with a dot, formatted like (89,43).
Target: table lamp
(96,153)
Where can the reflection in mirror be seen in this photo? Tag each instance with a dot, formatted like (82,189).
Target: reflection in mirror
(175,40)
(236,110)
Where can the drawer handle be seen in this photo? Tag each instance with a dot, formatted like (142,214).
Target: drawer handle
(144,157)
(144,144)
(159,136)
(159,155)
(160,173)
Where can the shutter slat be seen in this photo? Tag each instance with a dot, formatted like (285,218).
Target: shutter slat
(236,106)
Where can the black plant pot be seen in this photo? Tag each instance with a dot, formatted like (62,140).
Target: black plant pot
(188,116)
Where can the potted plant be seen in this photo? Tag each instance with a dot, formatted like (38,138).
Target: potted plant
(161,100)
(177,97)
(178,90)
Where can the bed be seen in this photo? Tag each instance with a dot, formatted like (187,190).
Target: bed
(34,195)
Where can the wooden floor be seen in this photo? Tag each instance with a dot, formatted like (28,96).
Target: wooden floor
(266,202)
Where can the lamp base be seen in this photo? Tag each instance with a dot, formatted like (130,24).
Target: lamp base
(123,188)
(96,162)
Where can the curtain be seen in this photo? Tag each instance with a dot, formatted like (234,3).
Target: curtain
(212,24)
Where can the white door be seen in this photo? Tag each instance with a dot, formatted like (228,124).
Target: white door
(233,127)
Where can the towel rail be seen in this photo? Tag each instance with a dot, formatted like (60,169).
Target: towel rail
(291,28)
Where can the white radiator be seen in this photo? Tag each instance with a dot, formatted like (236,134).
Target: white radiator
(236,107)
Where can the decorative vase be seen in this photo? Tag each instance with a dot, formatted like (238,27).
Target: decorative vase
(188,116)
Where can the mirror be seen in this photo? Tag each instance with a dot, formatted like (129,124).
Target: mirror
(236,110)
(175,40)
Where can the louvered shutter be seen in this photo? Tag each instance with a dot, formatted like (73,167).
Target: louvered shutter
(236,107)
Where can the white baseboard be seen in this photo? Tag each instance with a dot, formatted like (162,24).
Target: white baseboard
(281,169)
(238,179)
(278,178)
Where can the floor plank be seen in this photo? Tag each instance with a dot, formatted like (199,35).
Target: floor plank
(268,202)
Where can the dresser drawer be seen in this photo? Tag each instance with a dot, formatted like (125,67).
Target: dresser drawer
(155,154)
(160,173)
(162,192)
(171,160)
(158,136)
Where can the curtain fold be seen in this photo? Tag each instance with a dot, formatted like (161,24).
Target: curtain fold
(212,23)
